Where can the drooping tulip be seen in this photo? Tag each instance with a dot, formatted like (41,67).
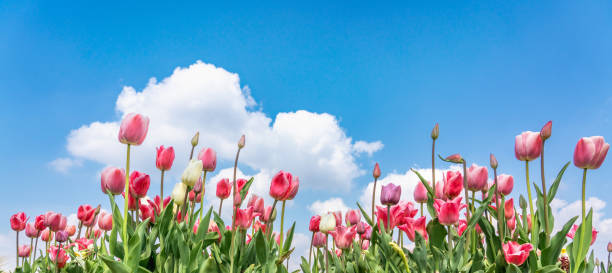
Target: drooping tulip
(192,173)
(343,236)
(133,129)
(509,208)
(328,223)
(165,158)
(18,221)
(572,233)
(390,194)
(353,217)
(546,130)
(224,188)
(514,253)
(319,240)
(139,184)
(24,251)
(208,157)
(590,152)
(455,158)
(106,221)
(477,177)
(420,193)
(453,184)
(178,193)
(527,146)
(113,180)
(415,225)
(505,184)
(448,211)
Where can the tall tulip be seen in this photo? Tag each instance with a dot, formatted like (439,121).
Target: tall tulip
(390,194)
(376,175)
(163,162)
(113,180)
(284,187)
(179,193)
(420,195)
(208,156)
(505,184)
(477,177)
(24,251)
(545,133)
(139,184)
(527,147)
(241,143)
(344,237)
(18,223)
(435,132)
(313,226)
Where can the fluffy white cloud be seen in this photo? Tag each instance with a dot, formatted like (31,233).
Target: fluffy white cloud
(63,164)
(332,204)
(210,100)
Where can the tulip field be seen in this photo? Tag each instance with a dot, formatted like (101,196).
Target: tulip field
(459,223)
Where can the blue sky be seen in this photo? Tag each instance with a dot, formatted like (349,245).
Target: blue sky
(388,72)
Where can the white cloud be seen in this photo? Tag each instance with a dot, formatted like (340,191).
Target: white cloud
(332,204)
(301,243)
(210,100)
(63,164)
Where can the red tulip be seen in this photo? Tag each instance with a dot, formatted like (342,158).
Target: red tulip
(139,184)
(477,177)
(224,188)
(147,212)
(420,193)
(376,172)
(113,180)
(411,226)
(343,236)
(83,243)
(511,223)
(58,256)
(284,186)
(193,196)
(462,227)
(515,253)
(131,202)
(572,232)
(86,214)
(240,182)
(505,184)
(408,209)
(40,222)
(46,235)
(353,217)
(590,152)
(390,194)
(546,131)
(527,146)
(133,129)
(453,184)
(165,158)
(209,159)
(158,203)
(106,221)
(319,240)
(395,216)
(24,251)
(18,221)
(448,211)
(244,218)
(31,231)
(509,208)
(259,226)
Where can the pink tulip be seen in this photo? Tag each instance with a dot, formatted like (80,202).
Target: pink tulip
(244,218)
(477,177)
(505,184)
(411,226)
(367,235)
(343,236)
(46,235)
(39,223)
(376,172)
(133,129)
(71,229)
(509,208)
(455,158)
(361,227)
(440,190)
(353,217)
(113,180)
(147,212)
(131,202)
(390,194)
(31,231)
(86,214)
(58,257)
(590,152)
(241,142)
(515,253)
(394,218)
(453,184)
(55,221)
(18,221)
(365,244)
(209,159)
(268,215)
(259,226)
(224,188)
(24,251)
(139,184)
(609,246)
(284,186)
(493,161)
(408,209)
(61,236)
(338,217)
(572,232)
(420,193)
(448,211)
(462,227)
(106,221)
(165,158)
(511,223)
(195,198)
(527,146)
(83,243)
(313,226)
(546,131)
(158,203)
(319,240)
(257,203)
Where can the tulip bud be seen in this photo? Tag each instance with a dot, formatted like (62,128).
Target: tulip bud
(455,158)
(61,236)
(505,184)
(192,173)
(241,142)
(390,194)
(509,208)
(328,223)
(195,139)
(165,158)
(527,146)
(376,172)
(18,221)
(208,157)
(522,202)
(609,246)
(546,130)
(139,184)
(178,193)
(590,152)
(133,129)
(435,132)
(361,228)
(420,193)
(493,161)
(113,180)
(46,235)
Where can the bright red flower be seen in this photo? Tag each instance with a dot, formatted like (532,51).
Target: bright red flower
(18,221)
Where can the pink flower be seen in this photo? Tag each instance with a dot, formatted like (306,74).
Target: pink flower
(590,152)
(133,129)
(18,221)
(338,217)
(515,253)
(477,177)
(376,171)
(527,146)
(268,215)
(258,205)
(493,161)
(367,235)
(572,232)
(31,231)
(462,227)
(24,251)
(259,226)
(55,221)
(165,158)
(147,212)
(365,244)
(60,257)
(61,236)
(408,210)
(453,184)
(420,193)
(455,158)
(353,217)
(390,194)
(314,223)
(209,159)
(394,218)
(284,186)
(39,223)
(546,131)
(511,223)
(505,184)
(224,188)
(509,208)
(113,180)
(46,235)
(87,215)
(193,197)
(411,226)
(83,243)
(343,236)
(139,184)
(361,227)
(106,221)
(448,211)
(319,240)
(244,218)
(440,190)
(71,229)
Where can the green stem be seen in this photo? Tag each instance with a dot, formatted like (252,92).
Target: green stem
(582,225)
(162,188)
(220,206)
(310,253)
(388,226)
(234,214)
(450,240)
(433,167)
(421,209)
(17,249)
(326,254)
(374,200)
(35,247)
(282,222)
(467,200)
(201,192)
(528,191)
(502,209)
(500,226)
(125,206)
(544,195)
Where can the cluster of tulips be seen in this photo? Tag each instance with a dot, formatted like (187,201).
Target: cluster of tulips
(171,234)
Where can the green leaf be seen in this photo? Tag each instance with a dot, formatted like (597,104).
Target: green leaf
(114,266)
(552,192)
(203,226)
(245,189)
(551,253)
(287,243)
(365,215)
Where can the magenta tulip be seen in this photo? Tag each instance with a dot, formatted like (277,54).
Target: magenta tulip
(477,177)
(209,159)
(319,240)
(415,225)
(133,129)
(18,221)
(343,236)
(420,193)
(453,184)
(390,194)
(113,180)
(527,146)
(284,186)
(448,211)
(244,218)
(314,223)
(165,158)
(590,152)
(515,253)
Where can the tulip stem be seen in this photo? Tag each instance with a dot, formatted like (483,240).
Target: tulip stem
(234,214)
(582,225)
(282,223)
(162,188)
(467,200)
(202,194)
(137,210)
(502,210)
(326,252)
(220,206)
(499,215)
(35,247)
(388,225)
(528,191)
(433,167)
(421,209)
(374,200)
(57,255)
(450,240)
(125,207)
(30,256)
(310,253)
(17,249)
(544,195)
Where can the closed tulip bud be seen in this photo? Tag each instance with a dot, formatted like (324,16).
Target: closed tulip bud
(192,173)
(71,229)
(353,217)
(376,172)
(31,231)
(269,215)
(224,188)
(328,223)
(455,158)
(338,216)
(435,132)
(314,223)
(113,180)
(139,184)
(197,188)
(529,222)
(24,251)
(590,152)
(390,194)
(61,236)
(133,129)
(511,223)
(509,208)
(515,253)
(195,139)
(453,184)
(546,131)
(527,146)
(420,193)
(281,187)
(165,158)
(241,142)
(493,161)
(197,197)
(106,221)
(505,184)
(609,246)
(208,157)
(522,202)
(18,221)
(318,240)
(178,193)
(365,244)
(46,235)
(477,177)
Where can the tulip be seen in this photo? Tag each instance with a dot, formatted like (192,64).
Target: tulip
(195,198)
(509,208)
(269,215)
(133,129)
(106,221)
(477,177)
(86,214)
(192,173)
(453,184)
(223,188)
(435,132)
(440,191)
(353,217)
(56,221)
(318,240)
(113,180)
(328,223)
(257,226)
(31,231)
(572,232)
(139,184)
(376,175)
(61,236)
(448,211)
(46,235)
(365,245)
(208,157)
(462,227)
(338,216)
(281,186)
(527,146)
(58,256)
(24,251)
(18,221)
(257,203)
(454,158)
(164,158)
(343,237)
(178,193)
(609,246)
(390,194)
(389,216)
(244,218)
(420,193)
(411,226)
(360,228)
(147,212)
(511,223)
(505,184)
(71,229)
(515,253)
(367,235)
(241,142)
(84,243)
(39,223)
(407,208)
(195,139)
(493,161)
(131,202)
